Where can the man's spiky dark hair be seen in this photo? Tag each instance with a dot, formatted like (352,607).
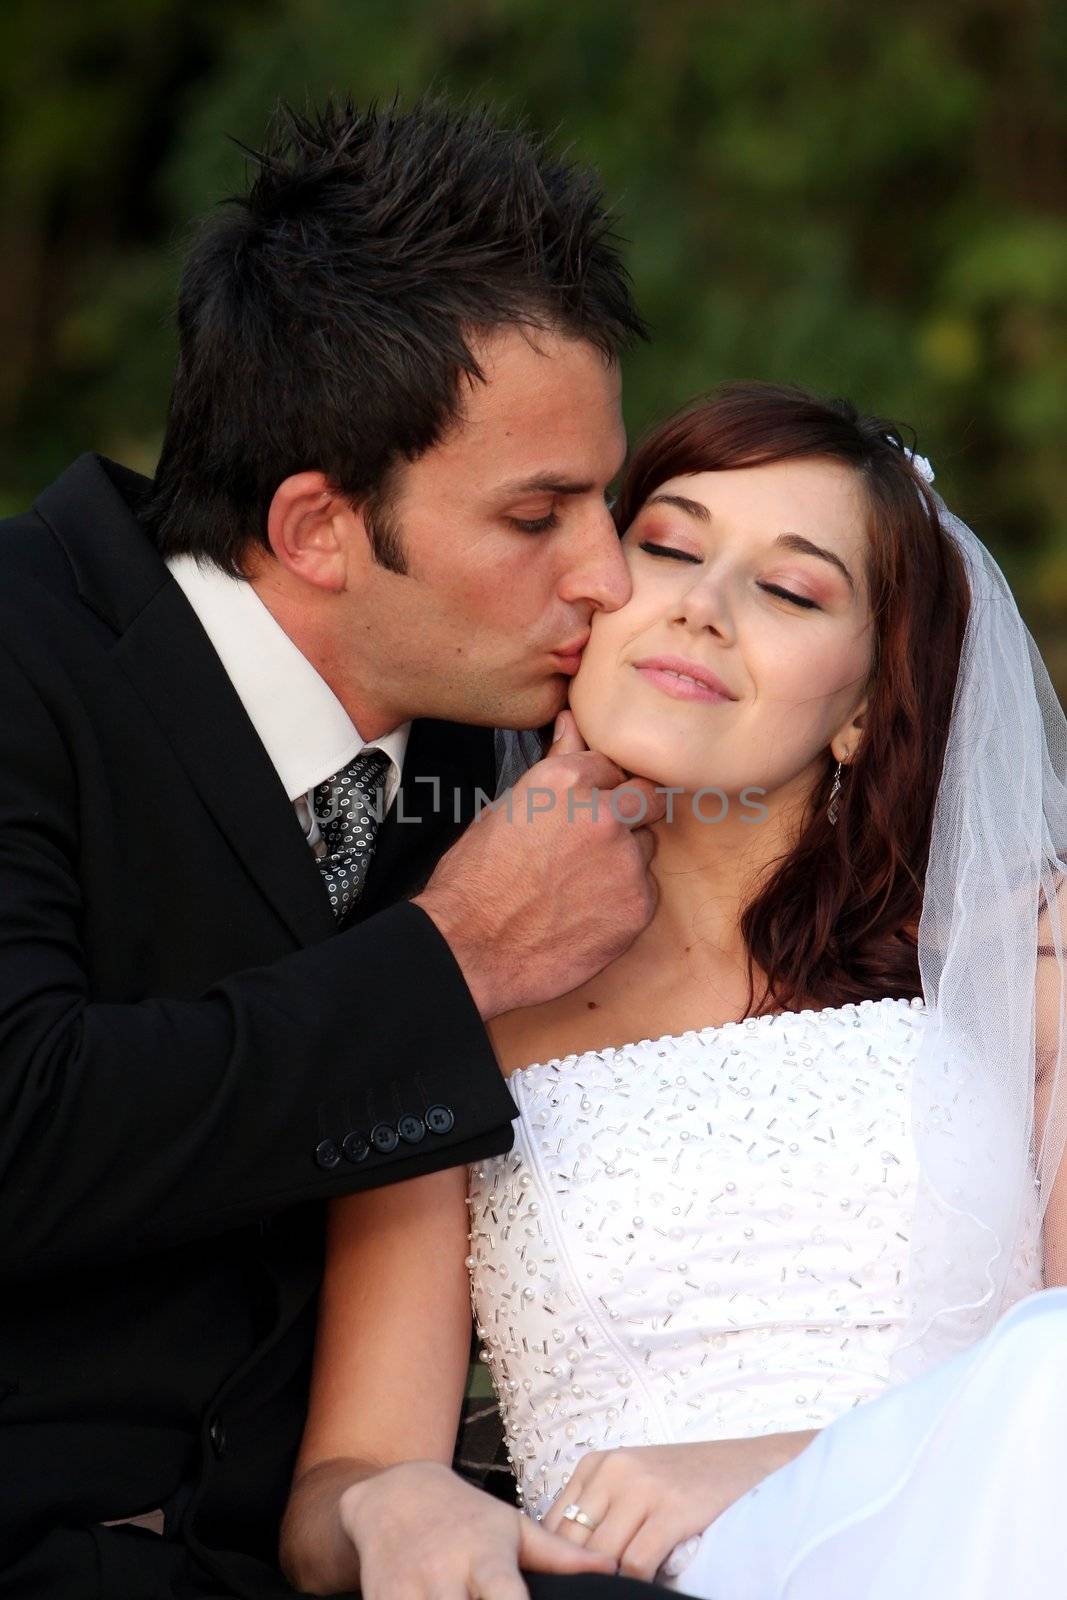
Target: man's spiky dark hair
(326,317)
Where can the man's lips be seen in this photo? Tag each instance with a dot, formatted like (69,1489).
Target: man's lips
(570,655)
(683,679)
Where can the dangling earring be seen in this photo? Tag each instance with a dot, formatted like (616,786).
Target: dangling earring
(831,810)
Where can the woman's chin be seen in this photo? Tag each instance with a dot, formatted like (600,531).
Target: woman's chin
(633,756)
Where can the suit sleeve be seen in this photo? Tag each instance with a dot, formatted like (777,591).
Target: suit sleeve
(127,1127)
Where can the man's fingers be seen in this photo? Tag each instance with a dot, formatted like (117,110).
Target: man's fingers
(584,771)
(549,1552)
(638,801)
(591,770)
(645,840)
(632,801)
(566,739)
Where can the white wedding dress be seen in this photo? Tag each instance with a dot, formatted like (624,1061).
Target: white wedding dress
(704,1236)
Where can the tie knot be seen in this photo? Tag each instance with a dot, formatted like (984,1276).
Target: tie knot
(357,789)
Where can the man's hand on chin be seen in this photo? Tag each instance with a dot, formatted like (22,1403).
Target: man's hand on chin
(541,895)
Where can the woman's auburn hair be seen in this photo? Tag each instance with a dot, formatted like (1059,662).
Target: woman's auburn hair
(836,919)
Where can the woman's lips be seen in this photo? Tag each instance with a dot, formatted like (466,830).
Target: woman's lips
(681,688)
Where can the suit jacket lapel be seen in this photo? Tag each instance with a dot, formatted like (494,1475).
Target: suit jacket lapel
(171,664)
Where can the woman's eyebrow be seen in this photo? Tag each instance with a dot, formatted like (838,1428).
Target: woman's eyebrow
(804,547)
(692,508)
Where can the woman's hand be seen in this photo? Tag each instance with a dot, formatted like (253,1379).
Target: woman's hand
(422,1533)
(648,1499)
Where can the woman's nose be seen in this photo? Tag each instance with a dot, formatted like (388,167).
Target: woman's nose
(704,604)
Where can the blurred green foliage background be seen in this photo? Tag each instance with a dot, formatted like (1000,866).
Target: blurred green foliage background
(867,199)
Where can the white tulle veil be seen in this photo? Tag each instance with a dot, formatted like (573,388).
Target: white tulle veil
(994,978)
(991,960)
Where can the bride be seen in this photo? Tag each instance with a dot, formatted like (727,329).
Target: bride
(766,1284)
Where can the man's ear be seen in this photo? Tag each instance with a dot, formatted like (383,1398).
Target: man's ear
(307,524)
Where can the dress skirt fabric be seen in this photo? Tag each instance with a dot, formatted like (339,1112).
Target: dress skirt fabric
(948,1486)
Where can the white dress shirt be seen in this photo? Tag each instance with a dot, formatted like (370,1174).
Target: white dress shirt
(304,728)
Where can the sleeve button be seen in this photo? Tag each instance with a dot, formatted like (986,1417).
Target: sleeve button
(439,1119)
(327,1154)
(217,1437)
(355,1148)
(411,1129)
(384,1138)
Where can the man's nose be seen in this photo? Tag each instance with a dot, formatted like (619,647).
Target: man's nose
(599,573)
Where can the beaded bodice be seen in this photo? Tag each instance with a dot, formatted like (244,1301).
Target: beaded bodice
(698,1236)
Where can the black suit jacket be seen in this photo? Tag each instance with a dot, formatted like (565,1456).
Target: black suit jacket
(193,1057)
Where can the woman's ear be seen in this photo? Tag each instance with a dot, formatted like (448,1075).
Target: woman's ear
(847,740)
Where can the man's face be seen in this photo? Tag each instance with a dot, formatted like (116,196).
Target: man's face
(508,542)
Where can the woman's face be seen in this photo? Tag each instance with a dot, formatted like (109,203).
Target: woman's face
(756,575)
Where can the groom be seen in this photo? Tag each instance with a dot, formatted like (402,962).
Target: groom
(247,947)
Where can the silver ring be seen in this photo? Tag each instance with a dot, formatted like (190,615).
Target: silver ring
(574,1513)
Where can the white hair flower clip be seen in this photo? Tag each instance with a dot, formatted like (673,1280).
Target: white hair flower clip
(921,465)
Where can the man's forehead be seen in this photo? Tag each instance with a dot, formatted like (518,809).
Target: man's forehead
(542,418)
(522,381)
(572,453)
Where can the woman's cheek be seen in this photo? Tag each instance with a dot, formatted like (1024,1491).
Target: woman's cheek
(586,695)
(608,715)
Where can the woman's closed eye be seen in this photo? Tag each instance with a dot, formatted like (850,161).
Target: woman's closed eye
(786,594)
(771,588)
(668,550)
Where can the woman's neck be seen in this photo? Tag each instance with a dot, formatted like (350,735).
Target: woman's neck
(708,871)
(689,967)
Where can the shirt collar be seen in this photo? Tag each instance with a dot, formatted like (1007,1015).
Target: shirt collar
(304,728)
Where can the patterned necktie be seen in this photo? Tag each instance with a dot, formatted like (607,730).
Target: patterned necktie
(349,807)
